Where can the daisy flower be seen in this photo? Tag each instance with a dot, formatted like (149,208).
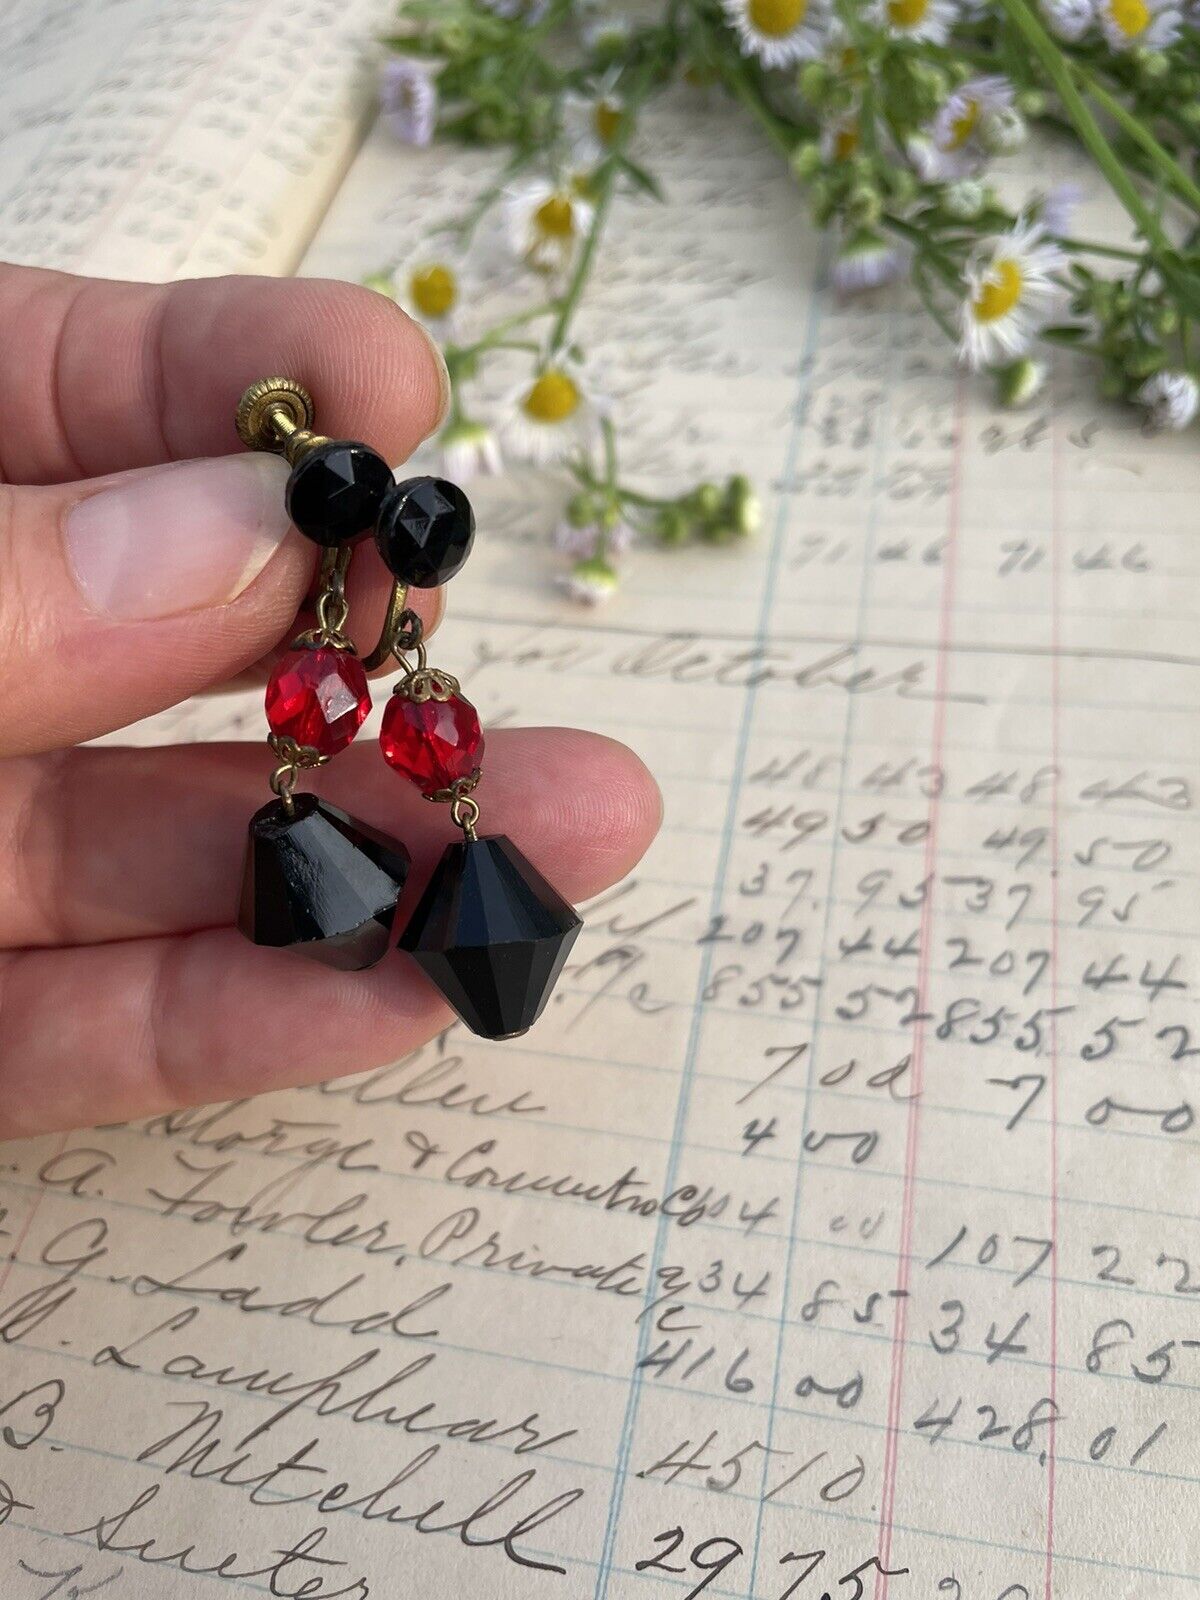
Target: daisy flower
(866,261)
(589,583)
(551,415)
(591,121)
(408,100)
(1011,295)
(469,450)
(1068,19)
(1171,398)
(545,223)
(429,285)
(1140,24)
(956,144)
(778,32)
(841,139)
(929,20)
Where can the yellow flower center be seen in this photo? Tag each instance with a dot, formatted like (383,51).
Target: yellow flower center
(845,142)
(553,398)
(907,13)
(555,217)
(1131,16)
(606,119)
(776,18)
(963,125)
(434,289)
(1000,293)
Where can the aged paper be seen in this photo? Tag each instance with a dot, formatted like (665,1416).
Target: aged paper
(161,139)
(835,1234)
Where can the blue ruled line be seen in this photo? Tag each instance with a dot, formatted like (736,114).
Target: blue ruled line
(683,1102)
(882,438)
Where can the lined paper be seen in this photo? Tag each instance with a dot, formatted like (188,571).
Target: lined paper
(835,1232)
(160,139)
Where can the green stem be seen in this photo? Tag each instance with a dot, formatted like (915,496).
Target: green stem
(1141,135)
(1058,70)
(1091,248)
(607,180)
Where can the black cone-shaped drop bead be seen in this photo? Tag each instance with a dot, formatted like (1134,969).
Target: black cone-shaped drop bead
(336,489)
(492,934)
(425,531)
(321,883)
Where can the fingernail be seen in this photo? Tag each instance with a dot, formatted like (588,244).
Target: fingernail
(177,538)
(443,377)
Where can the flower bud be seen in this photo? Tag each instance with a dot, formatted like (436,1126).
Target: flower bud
(1018,383)
(806,160)
(964,199)
(583,508)
(1003,131)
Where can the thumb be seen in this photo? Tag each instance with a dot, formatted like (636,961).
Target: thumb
(126,594)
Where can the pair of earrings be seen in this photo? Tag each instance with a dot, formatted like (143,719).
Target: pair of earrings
(489,931)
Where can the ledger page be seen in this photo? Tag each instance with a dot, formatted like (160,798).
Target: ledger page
(835,1233)
(158,139)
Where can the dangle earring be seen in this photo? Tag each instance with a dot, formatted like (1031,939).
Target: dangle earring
(489,932)
(316,880)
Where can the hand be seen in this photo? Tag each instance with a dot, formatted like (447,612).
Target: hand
(127,585)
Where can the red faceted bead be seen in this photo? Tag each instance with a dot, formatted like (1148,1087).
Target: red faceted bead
(432,742)
(319,697)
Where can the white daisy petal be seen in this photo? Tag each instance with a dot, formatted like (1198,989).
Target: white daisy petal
(779,32)
(927,20)
(955,143)
(552,415)
(432,285)
(1068,19)
(545,223)
(1139,24)
(1012,293)
(408,99)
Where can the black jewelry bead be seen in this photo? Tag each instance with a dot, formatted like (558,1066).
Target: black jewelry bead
(336,489)
(425,531)
(492,935)
(320,882)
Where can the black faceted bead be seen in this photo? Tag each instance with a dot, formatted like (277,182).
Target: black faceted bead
(336,489)
(492,934)
(425,531)
(321,883)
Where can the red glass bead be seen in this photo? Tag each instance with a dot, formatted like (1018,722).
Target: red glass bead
(432,742)
(319,697)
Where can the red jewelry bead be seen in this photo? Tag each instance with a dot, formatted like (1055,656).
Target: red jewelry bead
(318,696)
(433,743)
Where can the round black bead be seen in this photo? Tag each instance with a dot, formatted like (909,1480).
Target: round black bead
(425,531)
(336,489)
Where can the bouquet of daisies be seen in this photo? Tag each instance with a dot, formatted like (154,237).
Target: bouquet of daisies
(894,116)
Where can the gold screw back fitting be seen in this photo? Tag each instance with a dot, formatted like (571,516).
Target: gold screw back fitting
(277,414)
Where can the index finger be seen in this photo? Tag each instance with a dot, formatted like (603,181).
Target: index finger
(102,376)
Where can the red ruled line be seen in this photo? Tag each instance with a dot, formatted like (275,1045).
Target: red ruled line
(900,1315)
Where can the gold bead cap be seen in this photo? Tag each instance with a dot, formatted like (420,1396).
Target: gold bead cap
(272,410)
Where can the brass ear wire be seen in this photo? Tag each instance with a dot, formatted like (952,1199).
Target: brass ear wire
(401,629)
(277,414)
